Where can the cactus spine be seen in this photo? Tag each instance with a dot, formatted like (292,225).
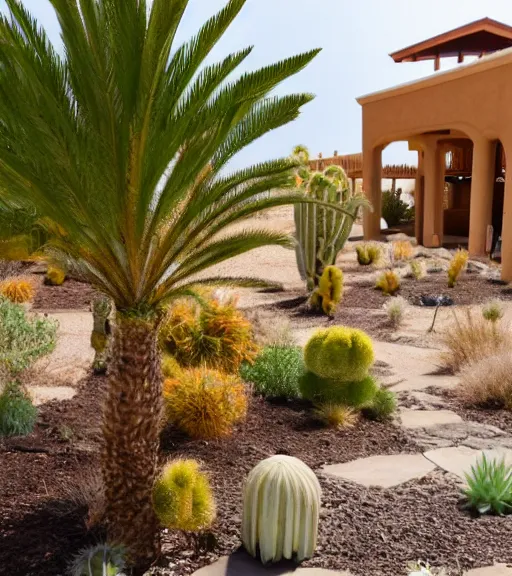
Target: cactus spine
(281,510)
(320,231)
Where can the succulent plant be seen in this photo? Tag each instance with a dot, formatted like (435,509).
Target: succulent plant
(356,394)
(328,294)
(182,497)
(100,560)
(100,337)
(339,352)
(55,276)
(281,510)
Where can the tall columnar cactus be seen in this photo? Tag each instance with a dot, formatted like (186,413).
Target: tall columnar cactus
(281,510)
(320,231)
(327,295)
(101,332)
(101,560)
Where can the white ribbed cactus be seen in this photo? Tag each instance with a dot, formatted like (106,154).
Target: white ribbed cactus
(281,510)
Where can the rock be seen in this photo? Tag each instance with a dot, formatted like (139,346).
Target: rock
(42,394)
(428,418)
(459,459)
(496,570)
(401,237)
(382,471)
(241,564)
(476,267)
(427,401)
(441,253)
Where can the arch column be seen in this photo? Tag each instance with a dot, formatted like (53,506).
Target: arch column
(372,186)
(482,188)
(433,213)
(419,200)
(506,234)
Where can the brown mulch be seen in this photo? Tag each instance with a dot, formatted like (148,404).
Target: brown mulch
(72,295)
(368,531)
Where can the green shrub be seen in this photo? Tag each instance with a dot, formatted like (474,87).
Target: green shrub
(489,487)
(328,294)
(382,406)
(493,310)
(23,339)
(339,352)
(388,282)
(355,394)
(275,372)
(17,413)
(394,209)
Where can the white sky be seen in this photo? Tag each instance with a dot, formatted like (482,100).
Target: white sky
(356,38)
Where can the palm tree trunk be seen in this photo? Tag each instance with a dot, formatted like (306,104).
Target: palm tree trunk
(131,428)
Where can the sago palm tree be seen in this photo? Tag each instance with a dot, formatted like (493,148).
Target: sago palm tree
(120,145)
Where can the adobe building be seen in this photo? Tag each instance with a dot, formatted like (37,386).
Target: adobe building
(460,123)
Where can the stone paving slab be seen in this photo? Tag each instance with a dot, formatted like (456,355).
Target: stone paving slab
(241,564)
(413,382)
(73,355)
(382,471)
(459,459)
(428,418)
(496,570)
(42,394)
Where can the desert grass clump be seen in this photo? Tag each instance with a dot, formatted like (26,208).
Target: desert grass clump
(208,333)
(493,310)
(270,329)
(276,372)
(402,250)
(182,497)
(396,309)
(488,382)
(23,338)
(205,403)
(388,282)
(17,413)
(335,415)
(18,289)
(369,253)
(457,265)
(489,487)
(470,339)
(417,269)
(382,406)
(55,276)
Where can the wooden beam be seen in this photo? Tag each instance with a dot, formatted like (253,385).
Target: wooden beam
(437,63)
(460,59)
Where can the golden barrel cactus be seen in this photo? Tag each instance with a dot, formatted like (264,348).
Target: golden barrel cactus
(281,510)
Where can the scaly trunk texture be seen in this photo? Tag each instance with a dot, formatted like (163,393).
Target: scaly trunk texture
(131,429)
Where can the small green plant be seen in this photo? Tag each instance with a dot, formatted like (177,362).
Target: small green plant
(394,209)
(182,497)
(417,269)
(55,276)
(339,352)
(388,282)
(17,413)
(100,560)
(493,310)
(382,406)
(402,250)
(23,339)
(396,309)
(489,487)
(275,372)
(457,265)
(368,253)
(335,415)
(328,294)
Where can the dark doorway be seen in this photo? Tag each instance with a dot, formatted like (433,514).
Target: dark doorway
(498,194)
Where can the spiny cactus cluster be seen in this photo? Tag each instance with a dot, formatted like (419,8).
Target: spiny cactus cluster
(322,232)
(457,265)
(18,290)
(182,497)
(281,510)
(327,295)
(55,276)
